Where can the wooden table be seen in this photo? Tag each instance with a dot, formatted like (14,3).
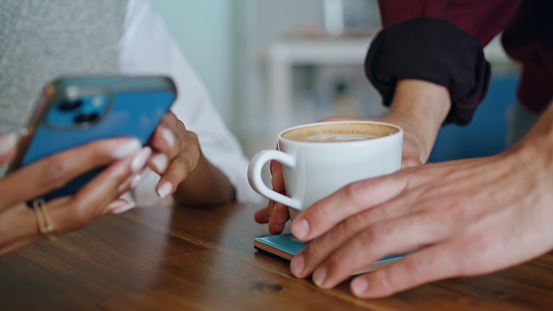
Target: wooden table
(203,259)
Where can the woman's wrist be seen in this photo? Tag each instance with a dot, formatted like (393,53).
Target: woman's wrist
(204,185)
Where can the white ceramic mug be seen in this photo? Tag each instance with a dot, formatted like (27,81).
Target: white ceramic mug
(315,168)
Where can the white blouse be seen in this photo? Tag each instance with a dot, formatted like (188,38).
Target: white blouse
(147,47)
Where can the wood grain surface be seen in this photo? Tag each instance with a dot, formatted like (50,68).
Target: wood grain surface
(177,258)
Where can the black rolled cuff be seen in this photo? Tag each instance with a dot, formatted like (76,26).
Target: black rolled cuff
(433,50)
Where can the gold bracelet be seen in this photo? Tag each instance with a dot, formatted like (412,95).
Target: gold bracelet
(45,225)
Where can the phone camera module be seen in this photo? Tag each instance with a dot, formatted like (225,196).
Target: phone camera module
(87,117)
(70,105)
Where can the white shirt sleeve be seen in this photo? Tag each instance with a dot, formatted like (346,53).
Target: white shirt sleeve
(147,47)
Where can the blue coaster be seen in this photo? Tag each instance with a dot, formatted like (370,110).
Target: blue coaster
(285,246)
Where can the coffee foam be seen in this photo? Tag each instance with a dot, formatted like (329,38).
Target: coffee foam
(339,132)
(333,137)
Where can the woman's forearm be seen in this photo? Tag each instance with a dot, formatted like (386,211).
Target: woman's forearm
(205,185)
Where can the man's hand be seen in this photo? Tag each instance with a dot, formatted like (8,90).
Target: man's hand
(275,214)
(453,218)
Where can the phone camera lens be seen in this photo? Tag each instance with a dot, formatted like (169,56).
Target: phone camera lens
(87,117)
(69,105)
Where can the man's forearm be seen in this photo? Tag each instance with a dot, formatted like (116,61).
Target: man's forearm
(537,145)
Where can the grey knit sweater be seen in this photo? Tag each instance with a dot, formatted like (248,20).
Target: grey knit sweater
(43,39)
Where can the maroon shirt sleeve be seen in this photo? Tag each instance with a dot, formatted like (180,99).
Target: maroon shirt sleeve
(437,41)
(529,39)
(483,19)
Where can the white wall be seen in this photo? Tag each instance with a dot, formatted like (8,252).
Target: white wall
(203,29)
(224,41)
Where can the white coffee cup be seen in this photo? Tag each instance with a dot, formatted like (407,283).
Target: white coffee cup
(320,158)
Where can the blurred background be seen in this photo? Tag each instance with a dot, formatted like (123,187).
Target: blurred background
(272,64)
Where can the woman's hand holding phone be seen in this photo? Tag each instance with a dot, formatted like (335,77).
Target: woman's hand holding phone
(176,153)
(124,158)
(184,171)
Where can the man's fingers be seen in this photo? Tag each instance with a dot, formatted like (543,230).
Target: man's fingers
(320,248)
(270,210)
(389,237)
(265,214)
(274,228)
(410,162)
(56,170)
(277,213)
(352,199)
(429,264)
(280,214)
(278,218)
(262,216)
(277,179)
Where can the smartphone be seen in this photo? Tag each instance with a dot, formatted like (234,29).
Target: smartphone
(75,110)
(284,247)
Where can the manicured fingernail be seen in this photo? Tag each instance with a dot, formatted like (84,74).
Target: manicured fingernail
(319,276)
(165,189)
(359,286)
(127,148)
(125,184)
(136,180)
(7,142)
(140,159)
(300,229)
(117,204)
(297,265)
(168,136)
(160,162)
(123,208)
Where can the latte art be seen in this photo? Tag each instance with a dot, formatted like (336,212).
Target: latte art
(339,132)
(334,137)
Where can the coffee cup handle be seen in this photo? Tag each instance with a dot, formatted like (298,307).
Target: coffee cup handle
(255,175)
